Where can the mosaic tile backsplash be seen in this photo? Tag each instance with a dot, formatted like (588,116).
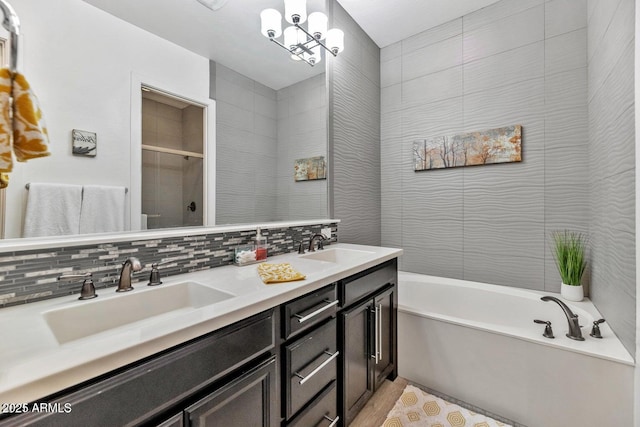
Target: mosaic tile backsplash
(29,276)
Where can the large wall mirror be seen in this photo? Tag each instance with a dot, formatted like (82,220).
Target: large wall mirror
(88,60)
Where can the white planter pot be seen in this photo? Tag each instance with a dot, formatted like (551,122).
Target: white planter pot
(572,293)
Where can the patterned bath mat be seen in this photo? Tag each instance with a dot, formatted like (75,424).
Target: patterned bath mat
(417,408)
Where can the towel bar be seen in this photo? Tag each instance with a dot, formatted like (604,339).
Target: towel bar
(126,189)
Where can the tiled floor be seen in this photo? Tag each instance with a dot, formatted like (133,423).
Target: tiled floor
(375,411)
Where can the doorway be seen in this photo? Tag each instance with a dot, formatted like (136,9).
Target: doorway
(173,169)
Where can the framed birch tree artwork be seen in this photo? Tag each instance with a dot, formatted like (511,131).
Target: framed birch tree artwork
(501,145)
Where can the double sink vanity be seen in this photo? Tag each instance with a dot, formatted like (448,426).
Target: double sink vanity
(214,347)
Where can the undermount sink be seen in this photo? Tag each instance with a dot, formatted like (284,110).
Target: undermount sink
(87,318)
(336,255)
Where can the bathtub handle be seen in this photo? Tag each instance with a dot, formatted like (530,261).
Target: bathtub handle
(302,319)
(304,379)
(548,332)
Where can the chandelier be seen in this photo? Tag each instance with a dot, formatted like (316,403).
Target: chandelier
(303,44)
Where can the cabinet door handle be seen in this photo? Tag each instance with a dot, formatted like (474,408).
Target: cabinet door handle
(375,352)
(302,319)
(333,421)
(304,379)
(379,340)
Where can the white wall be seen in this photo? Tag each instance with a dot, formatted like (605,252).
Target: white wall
(79,61)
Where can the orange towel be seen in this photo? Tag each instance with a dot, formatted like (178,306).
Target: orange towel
(23,120)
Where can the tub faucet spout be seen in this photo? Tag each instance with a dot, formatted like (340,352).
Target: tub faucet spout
(574,327)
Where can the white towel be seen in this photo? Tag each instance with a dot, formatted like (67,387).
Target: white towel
(52,210)
(102,209)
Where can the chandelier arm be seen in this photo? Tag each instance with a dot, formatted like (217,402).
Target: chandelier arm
(298,54)
(315,39)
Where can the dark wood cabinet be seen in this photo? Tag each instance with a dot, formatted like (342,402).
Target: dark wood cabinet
(313,361)
(151,391)
(310,365)
(310,358)
(357,382)
(385,317)
(175,421)
(249,400)
(322,412)
(367,336)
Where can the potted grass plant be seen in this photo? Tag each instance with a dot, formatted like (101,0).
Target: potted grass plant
(569,249)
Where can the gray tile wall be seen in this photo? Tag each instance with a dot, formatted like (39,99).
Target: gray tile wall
(354,133)
(30,276)
(514,62)
(302,133)
(260,132)
(246,154)
(611,43)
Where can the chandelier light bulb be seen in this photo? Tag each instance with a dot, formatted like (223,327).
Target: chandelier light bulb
(271,23)
(335,40)
(290,37)
(318,25)
(303,43)
(295,11)
(317,55)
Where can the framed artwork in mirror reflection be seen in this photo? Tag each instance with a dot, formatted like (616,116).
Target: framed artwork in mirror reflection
(84,143)
(309,169)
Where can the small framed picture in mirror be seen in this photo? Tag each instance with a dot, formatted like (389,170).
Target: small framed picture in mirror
(310,169)
(84,143)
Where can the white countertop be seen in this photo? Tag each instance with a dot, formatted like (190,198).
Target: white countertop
(33,364)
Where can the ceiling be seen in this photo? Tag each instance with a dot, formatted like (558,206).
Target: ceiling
(231,35)
(389,21)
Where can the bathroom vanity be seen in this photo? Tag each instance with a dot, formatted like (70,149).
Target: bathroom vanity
(295,354)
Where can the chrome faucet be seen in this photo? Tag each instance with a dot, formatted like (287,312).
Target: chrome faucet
(130,265)
(574,327)
(313,238)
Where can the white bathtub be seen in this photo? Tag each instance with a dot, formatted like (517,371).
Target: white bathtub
(478,343)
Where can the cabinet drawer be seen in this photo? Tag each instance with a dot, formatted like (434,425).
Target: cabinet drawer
(358,286)
(151,387)
(304,312)
(310,365)
(175,421)
(249,400)
(322,412)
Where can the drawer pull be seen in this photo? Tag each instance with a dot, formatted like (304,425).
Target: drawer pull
(319,368)
(302,319)
(333,422)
